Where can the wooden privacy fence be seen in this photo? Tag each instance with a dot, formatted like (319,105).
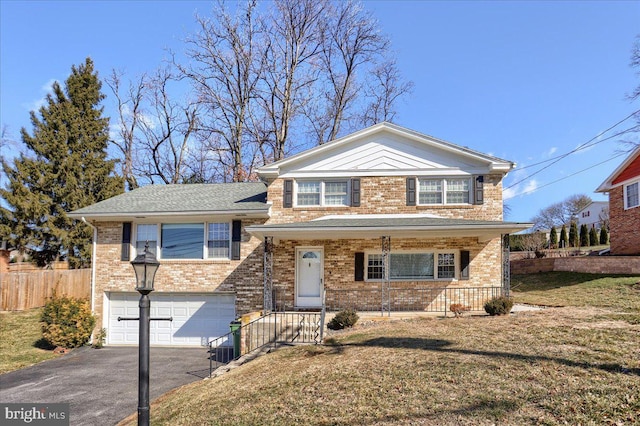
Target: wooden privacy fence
(25,290)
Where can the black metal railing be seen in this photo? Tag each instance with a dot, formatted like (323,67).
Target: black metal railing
(271,329)
(427,299)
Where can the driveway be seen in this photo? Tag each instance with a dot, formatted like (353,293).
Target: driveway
(102,384)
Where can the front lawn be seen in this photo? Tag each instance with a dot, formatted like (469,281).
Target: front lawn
(21,343)
(570,365)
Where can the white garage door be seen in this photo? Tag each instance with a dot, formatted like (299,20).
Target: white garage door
(197,318)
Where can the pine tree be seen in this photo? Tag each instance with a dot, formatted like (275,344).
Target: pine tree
(584,235)
(553,237)
(593,236)
(563,237)
(604,237)
(573,235)
(66,168)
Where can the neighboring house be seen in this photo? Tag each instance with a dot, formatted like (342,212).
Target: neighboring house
(594,214)
(322,224)
(623,186)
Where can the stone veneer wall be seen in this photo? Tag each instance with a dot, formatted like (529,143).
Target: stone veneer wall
(380,195)
(586,264)
(624,225)
(339,264)
(244,277)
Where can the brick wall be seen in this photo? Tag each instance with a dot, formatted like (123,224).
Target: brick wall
(588,264)
(339,264)
(245,276)
(624,225)
(381,195)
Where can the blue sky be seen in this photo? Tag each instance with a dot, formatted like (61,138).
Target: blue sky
(524,81)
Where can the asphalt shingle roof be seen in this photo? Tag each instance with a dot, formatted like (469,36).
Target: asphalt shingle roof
(191,198)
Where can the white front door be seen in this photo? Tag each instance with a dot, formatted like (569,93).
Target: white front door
(309,272)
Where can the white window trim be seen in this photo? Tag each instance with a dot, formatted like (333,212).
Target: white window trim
(205,247)
(624,194)
(435,253)
(443,181)
(322,192)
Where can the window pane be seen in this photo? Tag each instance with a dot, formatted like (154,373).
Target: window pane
(335,193)
(446,265)
(182,240)
(218,243)
(430,191)
(457,191)
(632,195)
(411,266)
(308,193)
(146,233)
(374,267)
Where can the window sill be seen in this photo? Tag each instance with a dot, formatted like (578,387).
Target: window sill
(444,206)
(188,261)
(301,208)
(432,280)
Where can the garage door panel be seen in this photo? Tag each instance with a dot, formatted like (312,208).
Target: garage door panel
(197,318)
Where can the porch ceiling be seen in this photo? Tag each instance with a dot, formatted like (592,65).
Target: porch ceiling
(362,227)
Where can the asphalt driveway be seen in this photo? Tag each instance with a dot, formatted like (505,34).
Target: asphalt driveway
(101,385)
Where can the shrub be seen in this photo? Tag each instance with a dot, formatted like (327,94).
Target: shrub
(345,318)
(499,306)
(67,322)
(99,338)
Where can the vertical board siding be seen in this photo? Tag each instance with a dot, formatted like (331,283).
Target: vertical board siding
(26,290)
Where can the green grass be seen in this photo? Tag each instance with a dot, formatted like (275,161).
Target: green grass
(570,365)
(21,343)
(578,289)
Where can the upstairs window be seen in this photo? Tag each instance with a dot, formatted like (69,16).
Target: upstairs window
(218,240)
(185,240)
(182,240)
(322,193)
(631,195)
(144,234)
(444,191)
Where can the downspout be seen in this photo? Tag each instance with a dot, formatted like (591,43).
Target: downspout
(93,263)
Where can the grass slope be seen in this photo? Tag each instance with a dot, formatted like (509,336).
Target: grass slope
(571,365)
(21,343)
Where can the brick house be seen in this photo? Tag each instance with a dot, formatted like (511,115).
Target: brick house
(383,219)
(623,186)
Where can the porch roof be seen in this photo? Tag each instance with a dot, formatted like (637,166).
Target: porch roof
(375,226)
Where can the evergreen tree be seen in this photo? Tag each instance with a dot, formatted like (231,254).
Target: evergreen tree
(65,168)
(563,237)
(573,235)
(553,237)
(593,236)
(604,237)
(584,235)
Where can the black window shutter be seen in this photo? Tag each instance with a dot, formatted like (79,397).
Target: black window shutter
(126,241)
(464,264)
(236,237)
(287,200)
(355,192)
(411,191)
(478,189)
(359,274)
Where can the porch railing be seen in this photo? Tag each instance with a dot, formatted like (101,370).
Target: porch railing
(271,329)
(427,299)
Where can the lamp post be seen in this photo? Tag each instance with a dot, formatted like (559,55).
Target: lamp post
(145,265)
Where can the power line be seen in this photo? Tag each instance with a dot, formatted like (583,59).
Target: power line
(568,176)
(578,148)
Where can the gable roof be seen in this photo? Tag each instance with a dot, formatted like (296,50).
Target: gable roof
(182,200)
(386,147)
(629,169)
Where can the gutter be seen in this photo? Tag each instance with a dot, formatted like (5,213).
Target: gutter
(93,263)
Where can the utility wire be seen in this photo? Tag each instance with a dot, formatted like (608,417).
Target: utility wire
(579,147)
(567,177)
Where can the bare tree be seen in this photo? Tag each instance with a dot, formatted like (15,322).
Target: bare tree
(383,90)
(227,61)
(129,103)
(561,213)
(351,39)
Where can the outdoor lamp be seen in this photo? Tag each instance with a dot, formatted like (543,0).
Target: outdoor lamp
(145,265)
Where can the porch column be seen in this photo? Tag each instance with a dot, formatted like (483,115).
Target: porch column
(385,285)
(506,266)
(268,274)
